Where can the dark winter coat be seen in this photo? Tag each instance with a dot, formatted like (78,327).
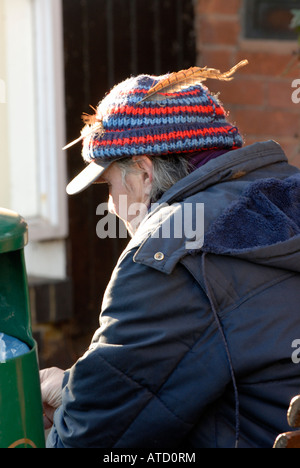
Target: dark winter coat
(195,344)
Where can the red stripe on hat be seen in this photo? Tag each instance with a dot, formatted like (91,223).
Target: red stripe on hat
(164,136)
(142,111)
(193,92)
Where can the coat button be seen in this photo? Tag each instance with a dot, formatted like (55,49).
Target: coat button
(159,256)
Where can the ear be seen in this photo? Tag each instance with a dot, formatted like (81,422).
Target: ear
(146,166)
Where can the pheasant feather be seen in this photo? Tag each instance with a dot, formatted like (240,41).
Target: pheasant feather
(92,125)
(184,78)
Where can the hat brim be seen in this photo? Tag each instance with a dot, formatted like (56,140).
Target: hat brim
(87,177)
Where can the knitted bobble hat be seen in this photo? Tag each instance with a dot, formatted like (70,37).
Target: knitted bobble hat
(154,115)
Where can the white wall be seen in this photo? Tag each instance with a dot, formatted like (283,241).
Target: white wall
(4,160)
(20,106)
(32,128)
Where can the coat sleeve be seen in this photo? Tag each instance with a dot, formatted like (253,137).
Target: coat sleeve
(151,368)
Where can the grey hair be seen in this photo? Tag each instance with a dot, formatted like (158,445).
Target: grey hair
(167,170)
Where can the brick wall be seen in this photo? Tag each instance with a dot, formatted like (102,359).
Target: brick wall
(259,98)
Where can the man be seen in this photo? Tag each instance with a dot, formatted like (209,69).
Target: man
(195,341)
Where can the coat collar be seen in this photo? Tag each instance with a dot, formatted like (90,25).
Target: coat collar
(162,252)
(229,166)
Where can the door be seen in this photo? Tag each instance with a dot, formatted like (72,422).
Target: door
(105,41)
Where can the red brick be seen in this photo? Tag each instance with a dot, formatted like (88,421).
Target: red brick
(267,64)
(215,31)
(220,59)
(249,140)
(291,148)
(279,94)
(274,123)
(259,98)
(295,160)
(227,7)
(240,91)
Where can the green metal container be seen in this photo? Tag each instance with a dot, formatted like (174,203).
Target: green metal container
(21,412)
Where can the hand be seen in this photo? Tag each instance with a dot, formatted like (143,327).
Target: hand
(51,387)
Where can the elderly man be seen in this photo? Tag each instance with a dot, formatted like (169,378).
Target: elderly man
(196,334)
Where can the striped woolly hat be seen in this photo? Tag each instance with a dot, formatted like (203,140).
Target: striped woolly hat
(135,119)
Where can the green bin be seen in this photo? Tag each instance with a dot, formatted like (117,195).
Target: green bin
(21,412)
